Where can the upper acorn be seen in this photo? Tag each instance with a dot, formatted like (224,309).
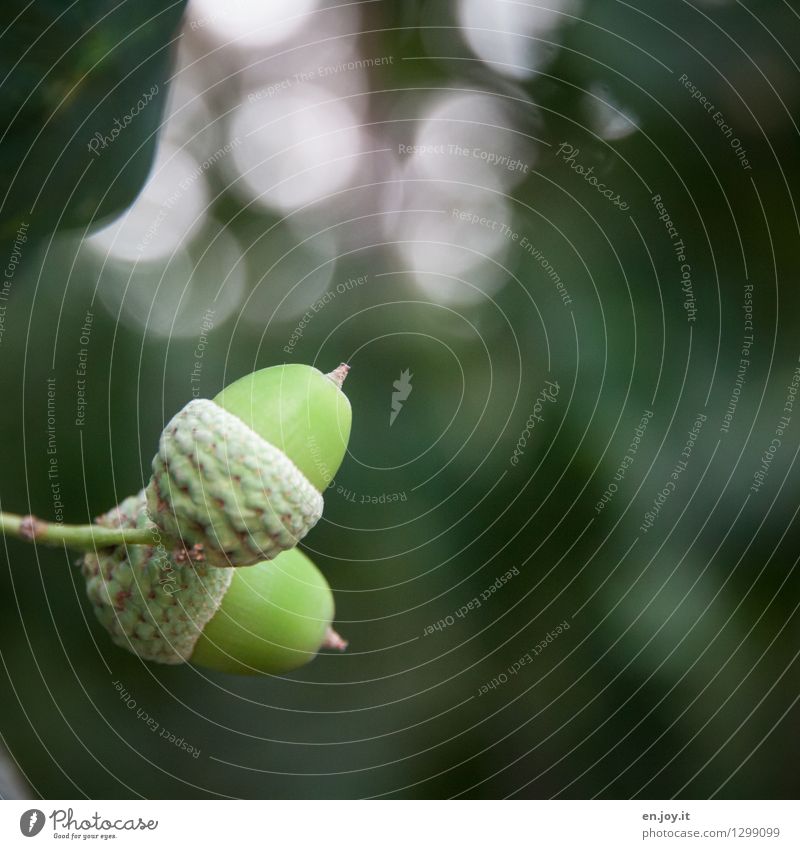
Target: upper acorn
(299,410)
(241,475)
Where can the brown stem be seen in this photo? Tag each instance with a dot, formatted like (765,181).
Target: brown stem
(84,537)
(339,374)
(334,641)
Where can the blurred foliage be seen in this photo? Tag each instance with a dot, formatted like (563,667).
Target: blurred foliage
(69,71)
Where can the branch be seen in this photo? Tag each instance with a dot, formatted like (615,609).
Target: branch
(84,537)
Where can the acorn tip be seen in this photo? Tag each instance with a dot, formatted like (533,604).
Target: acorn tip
(339,374)
(334,641)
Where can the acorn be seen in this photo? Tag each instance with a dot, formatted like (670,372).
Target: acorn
(268,618)
(274,617)
(241,475)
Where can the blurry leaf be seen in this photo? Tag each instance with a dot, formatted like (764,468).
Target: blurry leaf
(95,70)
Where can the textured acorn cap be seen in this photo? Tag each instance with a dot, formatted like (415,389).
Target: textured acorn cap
(219,484)
(150,604)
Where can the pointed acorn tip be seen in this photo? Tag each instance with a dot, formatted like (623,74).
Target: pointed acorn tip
(339,374)
(334,641)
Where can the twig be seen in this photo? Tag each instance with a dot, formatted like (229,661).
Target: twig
(84,537)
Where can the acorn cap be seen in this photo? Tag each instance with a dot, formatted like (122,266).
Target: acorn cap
(217,483)
(150,604)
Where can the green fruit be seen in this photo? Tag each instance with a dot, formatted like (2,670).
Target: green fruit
(264,619)
(274,617)
(241,475)
(299,410)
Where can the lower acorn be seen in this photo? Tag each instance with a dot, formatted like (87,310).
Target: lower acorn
(268,618)
(274,617)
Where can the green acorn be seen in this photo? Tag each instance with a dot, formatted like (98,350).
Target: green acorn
(274,617)
(268,618)
(241,475)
